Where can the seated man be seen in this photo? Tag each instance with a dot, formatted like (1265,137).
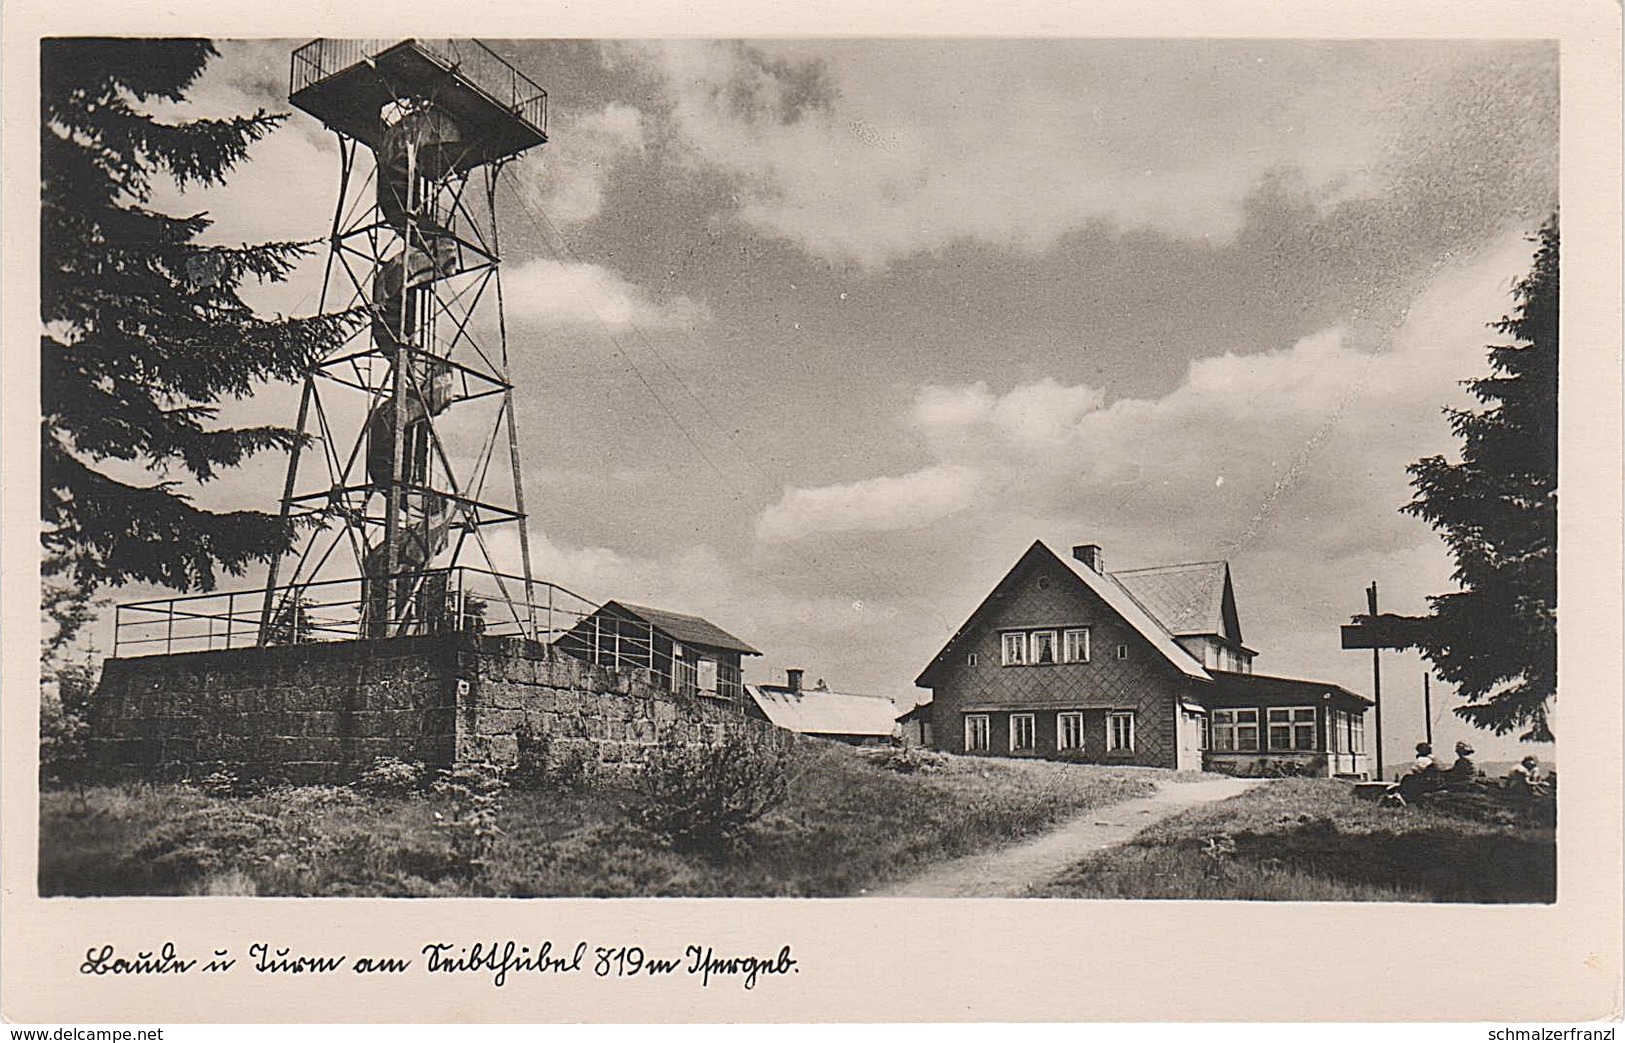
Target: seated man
(1423,776)
(1526,777)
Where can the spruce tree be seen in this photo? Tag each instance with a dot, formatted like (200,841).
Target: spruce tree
(144,332)
(1496,638)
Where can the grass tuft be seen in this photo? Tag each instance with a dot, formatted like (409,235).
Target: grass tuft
(1308,840)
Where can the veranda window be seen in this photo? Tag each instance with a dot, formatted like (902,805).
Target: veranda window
(1292,727)
(1234,730)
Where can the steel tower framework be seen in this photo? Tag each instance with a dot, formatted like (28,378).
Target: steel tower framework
(410,416)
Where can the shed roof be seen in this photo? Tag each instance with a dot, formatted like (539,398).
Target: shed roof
(1233,689)
(814,711)
(920,712)
(690,630)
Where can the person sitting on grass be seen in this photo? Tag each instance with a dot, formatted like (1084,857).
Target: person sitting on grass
(1526,777)
(1462,774)
(1423,776)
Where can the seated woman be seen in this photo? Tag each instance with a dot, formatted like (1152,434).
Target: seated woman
(1462,774)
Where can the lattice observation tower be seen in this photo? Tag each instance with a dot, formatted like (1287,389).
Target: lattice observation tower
(412,456)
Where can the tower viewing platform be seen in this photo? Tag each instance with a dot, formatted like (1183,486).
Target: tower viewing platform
(350,84)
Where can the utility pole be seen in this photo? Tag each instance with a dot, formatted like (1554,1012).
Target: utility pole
(1427,706)
(1376,674)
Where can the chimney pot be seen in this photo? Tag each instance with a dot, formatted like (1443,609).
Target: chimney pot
(794,679)
(1091,555)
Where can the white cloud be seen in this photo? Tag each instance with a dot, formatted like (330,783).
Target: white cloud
(882,504)
(575,294)
(1030,416)
(1033,139)
(567,184)
(1304,447)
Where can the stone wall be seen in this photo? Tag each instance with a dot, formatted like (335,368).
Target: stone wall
(611,716)
(323,712)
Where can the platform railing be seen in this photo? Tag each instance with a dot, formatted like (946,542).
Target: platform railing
(434,601)
(473,60)
(462,599)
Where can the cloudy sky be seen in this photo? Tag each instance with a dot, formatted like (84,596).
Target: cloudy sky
(816,337)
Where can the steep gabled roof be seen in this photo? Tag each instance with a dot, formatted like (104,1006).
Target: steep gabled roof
(690,630)
(813,711)
(1105,588)
(1187,599)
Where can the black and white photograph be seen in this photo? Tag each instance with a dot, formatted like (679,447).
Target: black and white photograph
(1085,469)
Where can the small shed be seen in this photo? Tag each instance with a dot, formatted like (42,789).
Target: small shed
(916,725)
(687,654)
(844,716)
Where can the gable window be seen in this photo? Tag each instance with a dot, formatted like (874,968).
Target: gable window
(1292,727)
(972,659)
(1122,651)
(1021,731)
(1234,730)
(1075,645)
(1015,649)
(1042,646)
(1119,731)
(1069,730)
(976,732)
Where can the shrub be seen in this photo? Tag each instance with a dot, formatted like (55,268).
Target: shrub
(211,839)
(64,722)
(573,769)
(905,760)
(529,771)
(473,793)
(392,777)
(542,767)
(220,783)
(704,797)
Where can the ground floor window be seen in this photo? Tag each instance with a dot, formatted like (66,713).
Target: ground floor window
(1119,731)
(976,731)
(1292,727)
(1069,730)
(1356,733)
(1234,730)
(1022,731)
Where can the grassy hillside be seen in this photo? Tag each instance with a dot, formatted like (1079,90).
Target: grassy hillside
(847,824)
(1308,840)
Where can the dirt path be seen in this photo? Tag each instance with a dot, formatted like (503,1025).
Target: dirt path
(1012,871)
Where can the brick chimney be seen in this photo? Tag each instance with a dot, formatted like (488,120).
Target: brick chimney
(1091,555)
(793,678)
